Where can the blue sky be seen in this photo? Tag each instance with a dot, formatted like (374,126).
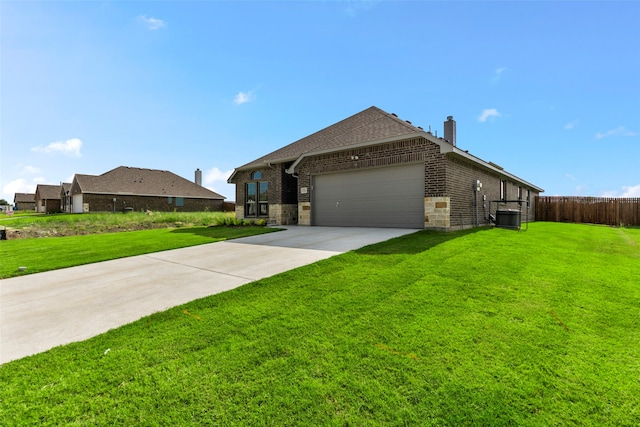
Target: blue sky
(548,90)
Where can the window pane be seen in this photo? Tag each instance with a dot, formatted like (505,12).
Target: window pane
(250,209)
(256,175)
(264,209)
(250,199)
(179,201)
(264,187)
(251,192)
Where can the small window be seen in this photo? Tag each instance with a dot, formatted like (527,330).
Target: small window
(519,193)
(179,201)
(170,199)
(256,175)
(503,190)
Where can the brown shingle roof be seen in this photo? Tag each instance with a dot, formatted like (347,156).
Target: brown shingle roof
(143,182)
(24,198)
(371,124)
(48,192)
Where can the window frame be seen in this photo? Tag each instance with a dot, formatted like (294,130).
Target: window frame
(256,196)
(503,190)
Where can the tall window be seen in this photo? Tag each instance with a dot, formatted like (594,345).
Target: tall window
(503,190)
(256,197)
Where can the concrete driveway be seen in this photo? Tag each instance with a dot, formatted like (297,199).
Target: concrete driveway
(44,310)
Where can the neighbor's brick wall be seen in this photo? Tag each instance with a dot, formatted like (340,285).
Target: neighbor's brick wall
(104,203)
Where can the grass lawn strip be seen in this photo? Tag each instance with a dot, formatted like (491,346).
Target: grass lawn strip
(39,255)
(483,327)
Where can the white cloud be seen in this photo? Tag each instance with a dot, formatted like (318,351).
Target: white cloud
(70,147)
(152,23)
(18,186)
(32,170)
(216,180)
(353,7)
(627,191)
(619,131)
(571,124)
(488,113)
(243,97)
(498,74)
(215,175)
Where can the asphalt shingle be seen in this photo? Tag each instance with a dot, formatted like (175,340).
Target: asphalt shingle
(143,182)
(371,124)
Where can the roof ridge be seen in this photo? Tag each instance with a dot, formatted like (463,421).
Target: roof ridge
(406,123)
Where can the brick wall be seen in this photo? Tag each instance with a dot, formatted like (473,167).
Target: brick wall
(446,178)
(104,203)
(461,176)
(395,153)
(281,194)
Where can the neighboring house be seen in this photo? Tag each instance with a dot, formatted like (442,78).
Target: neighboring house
(24,201)
(128,188)
(47,198)
(374,169)
(65,197)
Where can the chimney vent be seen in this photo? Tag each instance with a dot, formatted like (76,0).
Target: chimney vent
(199,177)
(450,130)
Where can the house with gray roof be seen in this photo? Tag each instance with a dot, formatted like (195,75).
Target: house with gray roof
(374,169)
(24,201)
(137,189)
(47,198)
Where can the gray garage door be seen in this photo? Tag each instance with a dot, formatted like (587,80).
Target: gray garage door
(382,197)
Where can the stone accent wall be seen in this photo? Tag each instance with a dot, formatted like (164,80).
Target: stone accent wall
(280,214)
(437,212)
(304,213)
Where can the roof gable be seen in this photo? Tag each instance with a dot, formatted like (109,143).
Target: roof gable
(369,125)
(24,197)
(142,182)
(47,192)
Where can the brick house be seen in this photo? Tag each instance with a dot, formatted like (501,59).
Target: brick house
(47,198)
(136,189)
(24,201)
(374,169)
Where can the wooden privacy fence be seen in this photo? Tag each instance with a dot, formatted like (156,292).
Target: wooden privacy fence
(592,210)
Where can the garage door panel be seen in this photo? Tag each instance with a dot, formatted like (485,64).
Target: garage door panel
(385,197)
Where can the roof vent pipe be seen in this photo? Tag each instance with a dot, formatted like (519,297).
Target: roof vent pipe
(199,177)
(450,130)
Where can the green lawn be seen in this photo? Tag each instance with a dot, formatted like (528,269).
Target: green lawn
(39,255)
(480,327)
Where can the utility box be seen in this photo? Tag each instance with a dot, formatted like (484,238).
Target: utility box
(508,218)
